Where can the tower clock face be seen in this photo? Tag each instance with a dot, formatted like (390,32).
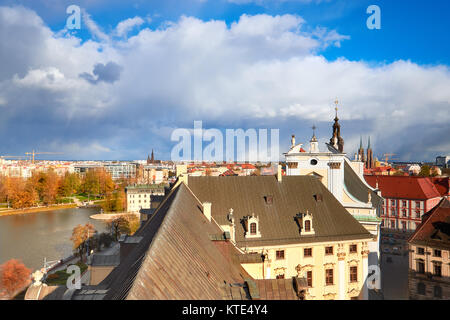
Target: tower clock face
(313,162)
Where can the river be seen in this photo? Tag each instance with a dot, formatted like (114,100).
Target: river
(31,237)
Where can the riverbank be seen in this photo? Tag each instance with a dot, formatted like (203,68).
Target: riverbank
(10,212)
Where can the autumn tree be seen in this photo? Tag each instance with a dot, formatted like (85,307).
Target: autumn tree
(125,224)
(70,184)
(50,186)
(14,276)
(80,235)
(424,171)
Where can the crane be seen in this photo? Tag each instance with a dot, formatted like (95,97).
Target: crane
(33,153)
(387,156)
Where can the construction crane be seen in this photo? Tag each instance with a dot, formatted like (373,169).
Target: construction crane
(33,153)
(387,156)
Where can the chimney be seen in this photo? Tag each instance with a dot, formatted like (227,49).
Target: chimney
(207,210)
(293,141)
(279,174)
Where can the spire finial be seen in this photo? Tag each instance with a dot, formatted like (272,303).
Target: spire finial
(336,102)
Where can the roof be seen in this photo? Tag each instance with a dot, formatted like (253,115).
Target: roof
(442,185)
(434,230)
(357,188)
(276,289)
(291,196)
(176,258)
(404,187)
(105,260)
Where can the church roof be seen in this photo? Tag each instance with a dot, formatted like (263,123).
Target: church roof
(293,195)
(176,258)
(357,188)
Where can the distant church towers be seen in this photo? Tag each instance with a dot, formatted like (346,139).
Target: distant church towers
(369,162)
(336,140)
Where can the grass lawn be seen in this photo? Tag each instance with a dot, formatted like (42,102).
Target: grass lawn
(60,277)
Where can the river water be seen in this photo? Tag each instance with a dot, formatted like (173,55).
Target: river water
(31,237)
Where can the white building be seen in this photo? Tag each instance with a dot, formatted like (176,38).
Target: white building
(140,196)
(343,178)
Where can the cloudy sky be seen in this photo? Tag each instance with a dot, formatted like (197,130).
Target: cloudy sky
(134,72)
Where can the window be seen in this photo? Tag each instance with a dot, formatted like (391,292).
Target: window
(309,278)
(253,228)
(420,251)
(313,162)
(421,288)
(404,225)
(307,226)
(329,277)
(437,253)
(353,248)
(404,212)
(437,270)
(417,214)
(280,254)
(307,252)
(417,204)
(353,274)
(393,202)
(328,250)
(437,292)
(393,212)
(420,267)
(280,276)
(404,203)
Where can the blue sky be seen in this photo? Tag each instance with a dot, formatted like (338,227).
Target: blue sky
(259,64)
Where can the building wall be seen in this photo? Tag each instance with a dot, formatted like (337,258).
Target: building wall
(429,279)
(405,214)
(295,263)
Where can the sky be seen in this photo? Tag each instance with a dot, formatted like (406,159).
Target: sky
(137,70)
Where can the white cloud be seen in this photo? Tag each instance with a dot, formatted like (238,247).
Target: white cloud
(260,71)
(127,25)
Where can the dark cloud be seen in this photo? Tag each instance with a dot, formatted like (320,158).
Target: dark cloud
(108,73)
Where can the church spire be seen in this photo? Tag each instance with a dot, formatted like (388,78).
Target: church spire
(368,144)
(336,140)
(313,143)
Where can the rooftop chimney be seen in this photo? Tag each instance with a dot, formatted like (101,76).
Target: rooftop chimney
(207,210)
(293,141)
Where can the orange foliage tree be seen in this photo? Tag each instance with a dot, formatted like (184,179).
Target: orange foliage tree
(80,235)
(13,276)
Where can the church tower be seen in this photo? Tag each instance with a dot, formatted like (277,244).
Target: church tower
(336,140)
(369,161)
(361,156)
(313,143)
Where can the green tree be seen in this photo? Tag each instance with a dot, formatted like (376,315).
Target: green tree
(80,235)
(424,171)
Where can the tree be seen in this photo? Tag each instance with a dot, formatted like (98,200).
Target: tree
(13,276)
(424,171)
(125,224)
(50,186)
(80,235)
(70,184)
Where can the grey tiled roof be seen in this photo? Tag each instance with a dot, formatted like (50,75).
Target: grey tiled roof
(291,196)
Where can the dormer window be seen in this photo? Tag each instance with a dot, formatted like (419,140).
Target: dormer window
(305,223)
(252,227)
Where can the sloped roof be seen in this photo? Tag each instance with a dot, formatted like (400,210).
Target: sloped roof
(442,185)
(176,258)
(357,188)
(404,187)
(294,195)
(435,227)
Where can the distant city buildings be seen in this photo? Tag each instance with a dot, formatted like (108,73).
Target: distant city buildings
(443,161)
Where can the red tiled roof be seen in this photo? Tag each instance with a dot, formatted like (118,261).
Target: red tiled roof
(442,185)
(403,187)
(248,166)
(435,227)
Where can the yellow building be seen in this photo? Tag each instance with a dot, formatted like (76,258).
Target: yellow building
(289,227)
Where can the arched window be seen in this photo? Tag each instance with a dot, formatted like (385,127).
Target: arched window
(421,288)
(253,228)
(307,226)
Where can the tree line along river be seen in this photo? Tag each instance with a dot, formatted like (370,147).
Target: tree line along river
(32,236)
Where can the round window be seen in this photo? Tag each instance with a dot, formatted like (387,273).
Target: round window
(313,162)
